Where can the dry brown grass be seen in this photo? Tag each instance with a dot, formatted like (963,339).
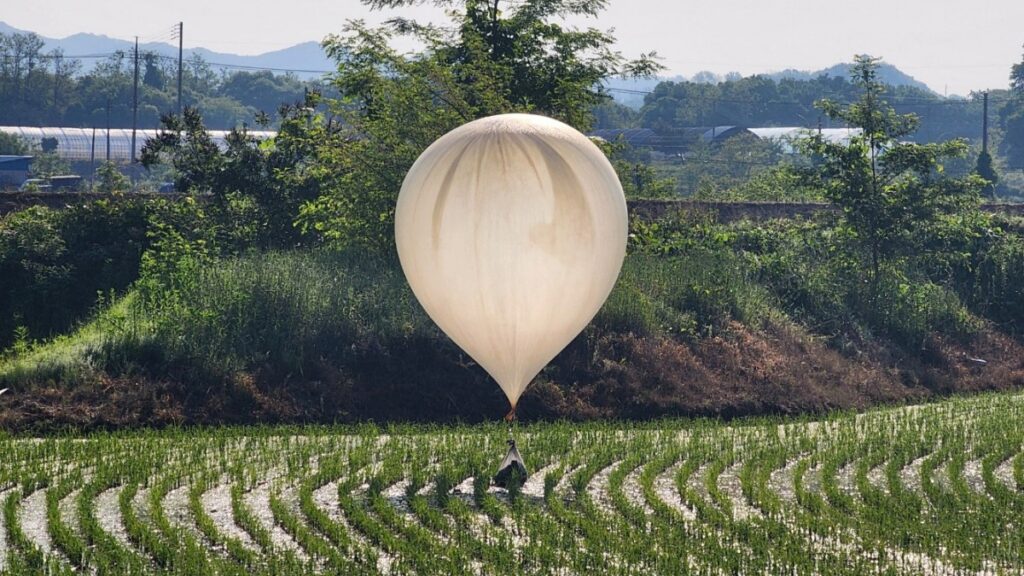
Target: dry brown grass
(779,369)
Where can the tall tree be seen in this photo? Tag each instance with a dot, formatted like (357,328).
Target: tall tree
(524,58)
(494,57)
(12,144)
(1017,77)
(893,194)
(987,170)
(64,71)
(20,74)
(153,76)
(1012,119)
(256,186)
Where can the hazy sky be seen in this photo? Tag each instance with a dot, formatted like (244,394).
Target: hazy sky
(955,46)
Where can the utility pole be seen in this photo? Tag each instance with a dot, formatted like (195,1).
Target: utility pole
(984,123)
(135,97)
(181,30)
(714,120)
(108,128)
(56,78)
(92,161)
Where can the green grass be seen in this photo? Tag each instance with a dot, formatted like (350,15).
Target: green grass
(837,496)
(689,289)
(290,310)
(112,335)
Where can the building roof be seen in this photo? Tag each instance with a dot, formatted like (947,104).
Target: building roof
(678,138)
(14,162)
(636,137)
(716,134)
(79,143)
(786,135)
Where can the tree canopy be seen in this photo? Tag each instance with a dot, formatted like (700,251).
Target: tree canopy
(13,144)
(892,193)
(40,88)
(1012,119)
(758,101)
(493,57)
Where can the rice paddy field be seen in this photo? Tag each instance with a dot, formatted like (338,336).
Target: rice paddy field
(932,489)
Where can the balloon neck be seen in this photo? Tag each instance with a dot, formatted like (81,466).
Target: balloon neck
(509,418)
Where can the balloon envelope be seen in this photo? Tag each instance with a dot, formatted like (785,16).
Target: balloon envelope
(511,231)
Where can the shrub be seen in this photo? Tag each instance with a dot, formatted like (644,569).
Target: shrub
(54,262)
(910,310)
(110,178)
(998,288)
(285,309)
(783,183)
(684,294)
(811,270)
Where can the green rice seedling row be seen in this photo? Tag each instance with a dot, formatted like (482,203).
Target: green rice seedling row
(930,489)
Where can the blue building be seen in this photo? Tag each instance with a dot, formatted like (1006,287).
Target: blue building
(13,170)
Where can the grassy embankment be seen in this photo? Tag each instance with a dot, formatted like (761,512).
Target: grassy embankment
(707,319)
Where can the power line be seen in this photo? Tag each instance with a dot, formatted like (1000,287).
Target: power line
(908,101)
(9,57)
(125,54)
(270,69)
(249,67)
(178,34)
(896,100)
(165,34)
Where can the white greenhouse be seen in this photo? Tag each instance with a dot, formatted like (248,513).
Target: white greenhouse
(787,136)
(84,144)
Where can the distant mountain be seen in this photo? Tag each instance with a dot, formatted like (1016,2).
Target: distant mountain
(631,92)
(307,57)
(887,73)
(310,59)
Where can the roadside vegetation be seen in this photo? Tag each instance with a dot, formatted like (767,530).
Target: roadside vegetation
(272,292)
(706,319)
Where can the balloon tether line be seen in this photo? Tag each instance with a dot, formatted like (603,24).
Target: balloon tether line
(509,418)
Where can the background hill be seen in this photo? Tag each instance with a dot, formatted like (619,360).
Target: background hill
(307,57)
(630,91)
(887,73)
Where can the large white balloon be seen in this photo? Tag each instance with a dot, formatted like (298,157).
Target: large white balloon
(511,231)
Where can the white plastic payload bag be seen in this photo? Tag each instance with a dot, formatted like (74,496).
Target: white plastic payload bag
(512,468)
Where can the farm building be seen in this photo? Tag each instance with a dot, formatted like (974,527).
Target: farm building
(13,170)
(635,137)
(786,136)
(680,140)
(84,144)
(676,142)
